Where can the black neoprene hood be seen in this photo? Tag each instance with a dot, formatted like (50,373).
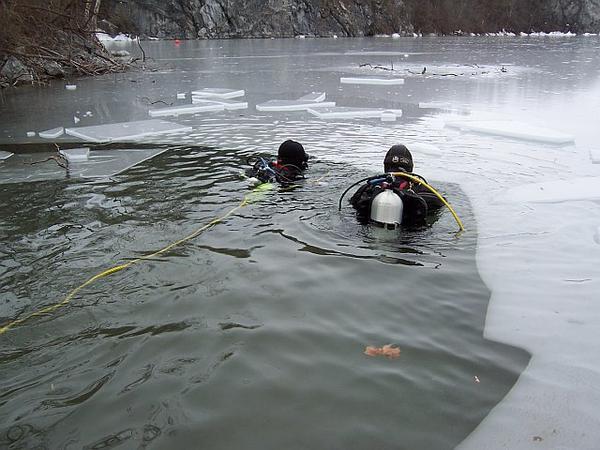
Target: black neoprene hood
(398,158)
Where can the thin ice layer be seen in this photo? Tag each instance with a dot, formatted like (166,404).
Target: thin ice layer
(292,105)
(349,113)
(100,164)
(512,129)
(370,80)
(555,191)
(219,93)
(185,109)
(126,131)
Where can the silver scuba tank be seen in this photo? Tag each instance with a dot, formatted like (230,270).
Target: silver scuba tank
(386,209)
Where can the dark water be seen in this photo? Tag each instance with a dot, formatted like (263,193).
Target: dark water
(250,335)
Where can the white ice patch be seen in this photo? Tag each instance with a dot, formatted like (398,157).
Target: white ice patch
(312,100)
(52,134)
(229,105)
(5,155)
(585,188)
(219,93)
(512,129)
(352,113)
(595,156)
(31,134)
(370,80)
(186,109)
(126,131)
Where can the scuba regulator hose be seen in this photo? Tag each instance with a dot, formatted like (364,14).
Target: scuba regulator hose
(416,179)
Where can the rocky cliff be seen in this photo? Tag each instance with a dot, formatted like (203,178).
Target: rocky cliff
(285,18)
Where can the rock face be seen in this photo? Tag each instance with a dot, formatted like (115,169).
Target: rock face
(260,18)
(580,15)
(207,19)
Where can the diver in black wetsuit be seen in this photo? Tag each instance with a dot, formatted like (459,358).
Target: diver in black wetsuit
(289,166)
(416,200)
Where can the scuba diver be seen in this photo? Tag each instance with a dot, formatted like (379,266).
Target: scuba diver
(289,166)
(396,197)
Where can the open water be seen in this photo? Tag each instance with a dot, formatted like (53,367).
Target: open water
(252,334)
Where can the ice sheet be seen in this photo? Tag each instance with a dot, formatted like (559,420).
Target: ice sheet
(512,129)
(5,155)
(556,191)
(219,93)
(292,105)
(101,163)
(229,105)
(185,109)
(126,131)
(349,113)
(370,80)
(52,134)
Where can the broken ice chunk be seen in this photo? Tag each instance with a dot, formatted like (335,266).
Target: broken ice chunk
(181,96)
(313,97)
(595,156)
(229,105)
(370,80)
(76,154)
(52,134)
(352,113)
(512,129)
(70,87)
(388,116)
(219,93)
(5,155)
(126,131)
(185,109)
(31,134)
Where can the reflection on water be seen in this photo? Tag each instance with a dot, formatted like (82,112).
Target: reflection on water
(250,336)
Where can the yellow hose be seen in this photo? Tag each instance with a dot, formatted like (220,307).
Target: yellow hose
(253,196)
(436,193)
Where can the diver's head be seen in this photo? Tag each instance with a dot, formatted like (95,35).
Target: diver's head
(292,152)
(398,159)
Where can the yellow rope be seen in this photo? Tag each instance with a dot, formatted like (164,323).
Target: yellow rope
(48,309)
(437,194)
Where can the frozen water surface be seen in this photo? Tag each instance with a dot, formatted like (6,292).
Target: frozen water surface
(537,249)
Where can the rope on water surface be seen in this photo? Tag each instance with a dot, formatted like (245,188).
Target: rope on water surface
(249,198)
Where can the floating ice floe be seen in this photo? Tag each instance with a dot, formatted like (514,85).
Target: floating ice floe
(595,156)
(512,129)
(352,113)
(312,100)
(227,104)
(181,96)
(31,134)
(70,87)
(75,154)
(100,164)
(218,93)
(186,109)
(555,191)
(5,155)
(126,131)
(370,80)
(52,134)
